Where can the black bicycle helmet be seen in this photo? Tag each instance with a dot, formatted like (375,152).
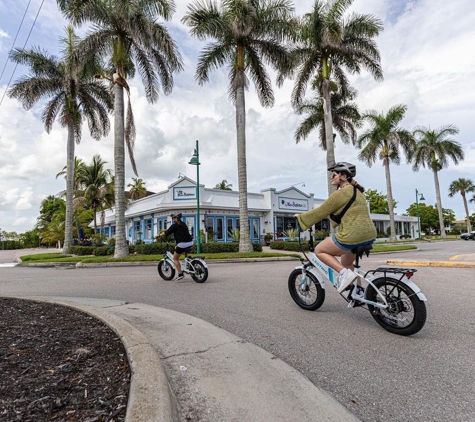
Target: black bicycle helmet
(176,215)
(344,167)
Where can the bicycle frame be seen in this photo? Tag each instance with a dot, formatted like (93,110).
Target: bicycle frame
(317,268)
(186,266)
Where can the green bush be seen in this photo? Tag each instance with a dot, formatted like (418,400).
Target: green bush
(290,246)
(102,251)
(160,248)
(82,250)
(405,236)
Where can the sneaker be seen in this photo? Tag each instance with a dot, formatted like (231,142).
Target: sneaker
(181,276)
(346,278)
(358,293)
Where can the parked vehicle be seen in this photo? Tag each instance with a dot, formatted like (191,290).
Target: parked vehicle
(468,236)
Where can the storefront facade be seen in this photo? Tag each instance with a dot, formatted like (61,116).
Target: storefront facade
(270,211)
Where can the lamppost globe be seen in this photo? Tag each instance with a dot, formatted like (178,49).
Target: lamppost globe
(195,161)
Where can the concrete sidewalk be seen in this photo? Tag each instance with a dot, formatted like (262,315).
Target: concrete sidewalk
(184,368)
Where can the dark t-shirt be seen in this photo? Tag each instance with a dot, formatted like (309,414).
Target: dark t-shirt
(180,231)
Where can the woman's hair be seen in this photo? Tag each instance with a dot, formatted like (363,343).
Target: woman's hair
(354,183)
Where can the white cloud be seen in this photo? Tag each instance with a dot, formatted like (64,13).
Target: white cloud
(425,49)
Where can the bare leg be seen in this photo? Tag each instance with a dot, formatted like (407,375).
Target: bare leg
(176,260)
(326,252)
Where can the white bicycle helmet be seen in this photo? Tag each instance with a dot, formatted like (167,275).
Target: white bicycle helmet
(176,215)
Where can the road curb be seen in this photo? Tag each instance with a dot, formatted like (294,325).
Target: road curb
(433,264)
(150,395)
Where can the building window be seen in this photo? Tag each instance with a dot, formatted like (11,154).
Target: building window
(148,229)
(219,228)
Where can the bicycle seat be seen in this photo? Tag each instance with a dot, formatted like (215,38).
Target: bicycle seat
(360,250)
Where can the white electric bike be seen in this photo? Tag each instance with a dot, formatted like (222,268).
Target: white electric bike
(393,300)
(194,266)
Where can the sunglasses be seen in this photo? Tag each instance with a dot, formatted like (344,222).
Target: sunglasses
(335,174)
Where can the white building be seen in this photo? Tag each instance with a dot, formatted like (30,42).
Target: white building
(269,211)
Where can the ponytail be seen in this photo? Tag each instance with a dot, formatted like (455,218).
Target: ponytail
(357,185)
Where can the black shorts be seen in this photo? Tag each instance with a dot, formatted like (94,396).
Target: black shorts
(182,250)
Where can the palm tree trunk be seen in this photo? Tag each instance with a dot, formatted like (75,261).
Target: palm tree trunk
(328,122)
(467,215)
(95,219)
(390,200)
(121,248)
(68,223)
(245,244)
(439,205)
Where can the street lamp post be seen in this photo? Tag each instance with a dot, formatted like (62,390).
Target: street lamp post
(421,197)
(195,161)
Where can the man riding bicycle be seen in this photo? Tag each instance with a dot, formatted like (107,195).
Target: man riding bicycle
(183,240)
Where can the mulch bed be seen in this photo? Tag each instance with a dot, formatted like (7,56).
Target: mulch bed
(59,364)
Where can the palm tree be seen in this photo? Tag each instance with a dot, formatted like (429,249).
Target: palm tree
(247,34)
(95,182)
(383,140)
(74,96)
(224,185)
(137,188)
(463,186)
(345,117)
(76,185)
(128,33)
(432,149)
(330,45)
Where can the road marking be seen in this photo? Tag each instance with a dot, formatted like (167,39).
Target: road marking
(8,264)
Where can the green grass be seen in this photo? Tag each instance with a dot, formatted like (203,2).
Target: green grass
(391,248)
(58,257)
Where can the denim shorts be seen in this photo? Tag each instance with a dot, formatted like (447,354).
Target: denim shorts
(350,247)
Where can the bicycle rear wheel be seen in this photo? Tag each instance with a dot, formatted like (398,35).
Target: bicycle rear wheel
(309,296)
(201,272)
(165,270)
(406,314)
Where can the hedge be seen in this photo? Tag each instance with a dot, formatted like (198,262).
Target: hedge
(160,249)
(290,246)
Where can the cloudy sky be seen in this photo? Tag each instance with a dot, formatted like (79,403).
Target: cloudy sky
(428,59)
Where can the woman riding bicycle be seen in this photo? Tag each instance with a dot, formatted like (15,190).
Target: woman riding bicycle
(355,225)
(183,240)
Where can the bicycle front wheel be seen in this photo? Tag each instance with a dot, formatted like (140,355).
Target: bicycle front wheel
(310,295)
(200,274)
(165,270)
(406,314)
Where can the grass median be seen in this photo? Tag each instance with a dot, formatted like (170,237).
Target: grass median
(58,257)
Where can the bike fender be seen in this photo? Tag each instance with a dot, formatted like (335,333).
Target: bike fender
(413,286)
(203,262)
(315,273)
(170,261)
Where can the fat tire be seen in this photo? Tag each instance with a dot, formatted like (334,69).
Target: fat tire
(167,273)
(294,283)
(202,271)
(418,306)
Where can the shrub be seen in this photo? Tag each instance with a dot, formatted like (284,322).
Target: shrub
(290,246)
(405,236)
(82,250)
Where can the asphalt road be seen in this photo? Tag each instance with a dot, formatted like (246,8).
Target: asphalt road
(375,374)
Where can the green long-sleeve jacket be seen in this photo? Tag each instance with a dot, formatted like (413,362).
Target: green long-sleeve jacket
(356,225)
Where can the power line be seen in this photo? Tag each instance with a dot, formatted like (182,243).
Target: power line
(16,36)
(24,45)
